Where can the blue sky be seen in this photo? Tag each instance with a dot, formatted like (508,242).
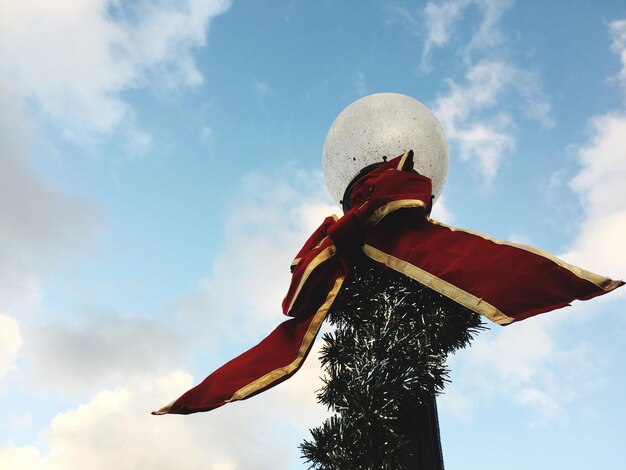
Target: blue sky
(160,165)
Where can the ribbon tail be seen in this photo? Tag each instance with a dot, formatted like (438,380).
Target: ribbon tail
(273,360)
(503,281)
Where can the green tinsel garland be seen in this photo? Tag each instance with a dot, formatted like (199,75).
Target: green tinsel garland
(386,355)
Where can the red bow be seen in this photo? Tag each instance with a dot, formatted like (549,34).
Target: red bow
(388,223)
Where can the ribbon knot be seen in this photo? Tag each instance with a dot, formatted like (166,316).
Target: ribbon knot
(390,186)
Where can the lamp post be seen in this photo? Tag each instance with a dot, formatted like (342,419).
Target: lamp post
(386,360)
(360,138)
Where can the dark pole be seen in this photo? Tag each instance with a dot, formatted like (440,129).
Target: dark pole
(422,423)
(422,429)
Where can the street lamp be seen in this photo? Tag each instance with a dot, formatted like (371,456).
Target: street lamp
(363,136)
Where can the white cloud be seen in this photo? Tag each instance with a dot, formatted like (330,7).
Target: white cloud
(521,239)
(75,58)
(515,355)
(20,458)
(548,405)
(436,21)
(441,212)
(263,232)
(100,350)
(523,364)
(137,141)
(440,20)
(617,30)
(262,89)
(600,181)
(21,422)
(469,113)
(115,430)
(205,136)
(39,223)
(488,35)
(478,115)
(10,342)
(360,86)
(599,247)
(455,403)
(600,185)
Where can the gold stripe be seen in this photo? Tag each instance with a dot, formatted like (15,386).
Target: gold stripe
(443,287)
(165,409)
(297,260)
(381,212)
(320,243)
(315,262)
(403,160)
(602,282)
(308,338)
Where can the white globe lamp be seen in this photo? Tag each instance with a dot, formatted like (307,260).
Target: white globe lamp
(383,126)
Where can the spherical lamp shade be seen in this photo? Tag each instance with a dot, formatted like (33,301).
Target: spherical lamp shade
(383,125)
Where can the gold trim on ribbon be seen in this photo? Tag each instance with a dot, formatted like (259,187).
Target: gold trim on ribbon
(443,287)
(602,282)
(315,262)
(308,338)
(320,243)
(381,212)
(403,160)
(296,261)
(165,410)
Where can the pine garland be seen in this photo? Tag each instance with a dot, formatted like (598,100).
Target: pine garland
(387,353)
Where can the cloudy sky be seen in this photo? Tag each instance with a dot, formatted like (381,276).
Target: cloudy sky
(160,166)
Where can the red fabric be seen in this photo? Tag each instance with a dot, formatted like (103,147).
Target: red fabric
(363,188)
(391,185)
(515,281)
(269,354)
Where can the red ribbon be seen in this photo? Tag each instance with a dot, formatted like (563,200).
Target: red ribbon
(388,223)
